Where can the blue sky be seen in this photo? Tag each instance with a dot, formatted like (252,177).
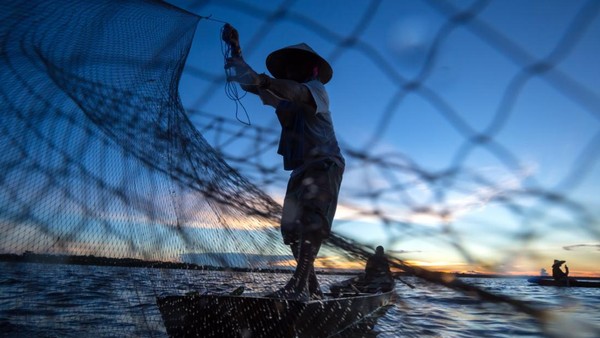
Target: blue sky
(544,125)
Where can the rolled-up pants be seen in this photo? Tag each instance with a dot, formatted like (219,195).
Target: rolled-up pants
(310,201)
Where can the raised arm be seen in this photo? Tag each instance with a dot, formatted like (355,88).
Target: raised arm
(251,82)
(290,90)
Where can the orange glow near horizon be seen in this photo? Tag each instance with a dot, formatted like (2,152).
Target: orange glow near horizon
(333,262)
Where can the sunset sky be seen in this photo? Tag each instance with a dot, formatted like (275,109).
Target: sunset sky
(481,79)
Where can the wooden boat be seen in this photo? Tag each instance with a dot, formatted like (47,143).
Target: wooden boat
(546,281)
(197,315)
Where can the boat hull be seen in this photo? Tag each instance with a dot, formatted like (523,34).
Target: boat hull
(572,283)
(247,316)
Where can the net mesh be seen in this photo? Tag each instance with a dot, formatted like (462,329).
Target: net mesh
(102,165)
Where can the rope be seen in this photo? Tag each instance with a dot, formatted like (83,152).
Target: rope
(231,90)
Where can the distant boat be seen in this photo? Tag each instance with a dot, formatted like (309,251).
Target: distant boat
(548,281)
(197,315)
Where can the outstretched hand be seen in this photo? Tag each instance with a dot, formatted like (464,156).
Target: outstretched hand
(235,61)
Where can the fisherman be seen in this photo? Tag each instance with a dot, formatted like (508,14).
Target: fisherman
(309,148)
(558,274)
(378,276)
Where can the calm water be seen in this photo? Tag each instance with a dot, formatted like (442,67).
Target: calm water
(74,301)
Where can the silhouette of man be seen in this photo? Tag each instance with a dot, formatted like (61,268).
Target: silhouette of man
(309,148)
(557,273)
(377,272)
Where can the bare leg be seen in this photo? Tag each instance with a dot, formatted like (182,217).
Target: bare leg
(297,288)
(313,284)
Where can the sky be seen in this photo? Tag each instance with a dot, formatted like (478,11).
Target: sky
(484,119)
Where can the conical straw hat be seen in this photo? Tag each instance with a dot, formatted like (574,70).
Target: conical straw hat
(279,60)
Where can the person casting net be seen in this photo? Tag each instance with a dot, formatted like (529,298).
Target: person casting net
(309,149)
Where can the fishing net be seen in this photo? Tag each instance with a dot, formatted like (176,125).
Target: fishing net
(132,196)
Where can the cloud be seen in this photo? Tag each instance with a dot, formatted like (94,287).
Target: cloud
(403,251)
(479,195)
(578,246)
(417,202)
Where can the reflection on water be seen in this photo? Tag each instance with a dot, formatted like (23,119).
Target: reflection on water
(71,301)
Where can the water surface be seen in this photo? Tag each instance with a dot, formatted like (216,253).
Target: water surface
(39,300)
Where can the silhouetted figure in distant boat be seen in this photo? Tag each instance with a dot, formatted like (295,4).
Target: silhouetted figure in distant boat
(377,271)
(558,274)
(376,278)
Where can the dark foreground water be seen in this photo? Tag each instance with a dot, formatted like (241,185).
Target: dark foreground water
(39,300)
